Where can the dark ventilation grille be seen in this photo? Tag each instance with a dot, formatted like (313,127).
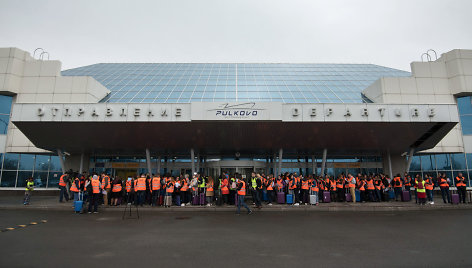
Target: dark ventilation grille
(427,135)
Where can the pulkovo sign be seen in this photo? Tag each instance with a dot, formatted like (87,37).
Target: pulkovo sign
(247,111)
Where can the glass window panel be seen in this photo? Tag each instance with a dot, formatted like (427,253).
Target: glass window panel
(427,162)
(458,161)
(443,162)
(4,119)
(53,179)
(8,178)
(11,161)
(26,162)
(22,177)
(40,179)
(42,162)
(55,163)
(5,104)
(415,163)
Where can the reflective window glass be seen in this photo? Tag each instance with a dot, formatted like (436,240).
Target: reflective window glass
(22,177)
(42,162)
(443,162)
(8,178)
(427,162)
(55,163)
(415,163)
(53,179)
(26,161)
(10,161)
(458,161)
(40,179)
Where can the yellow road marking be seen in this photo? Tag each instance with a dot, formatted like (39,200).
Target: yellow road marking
(10,228)
(22,225)
(33,223)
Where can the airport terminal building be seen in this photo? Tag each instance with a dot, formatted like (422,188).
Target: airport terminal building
(129,118)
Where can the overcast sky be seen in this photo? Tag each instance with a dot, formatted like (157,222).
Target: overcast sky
(389,33)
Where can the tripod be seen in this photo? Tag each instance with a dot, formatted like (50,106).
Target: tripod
(126,208)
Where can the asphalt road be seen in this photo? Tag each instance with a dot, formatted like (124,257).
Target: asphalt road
(223,239)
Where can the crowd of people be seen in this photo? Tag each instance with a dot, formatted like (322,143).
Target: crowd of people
(294,189)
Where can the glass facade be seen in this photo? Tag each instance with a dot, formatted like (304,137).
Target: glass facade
(5,108)
(464,106)
(211,82)
(451,164)
(16,168)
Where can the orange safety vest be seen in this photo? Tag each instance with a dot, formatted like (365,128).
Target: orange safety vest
(332,184)
(370,185)
(339,183)
(460,181)
(280,184)
(407,181)
(429,185)
(305,185)
(140,184)
(128,186)
(378,185)
(443,183)
(292,184)
(350,184)
(209,186)
(61,180)
(116,188)
(314,187)
(395,180)
(184,185)
(269,184)
(361,185)
(169,187)
(156,183)
(95,186)
(73,188)
(242,191)
(224,186)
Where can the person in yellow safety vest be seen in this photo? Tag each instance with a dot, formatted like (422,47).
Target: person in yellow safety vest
(75,188)
(28,190)
(420,190)
(241,188)
(96,190)
(62,186)
(140,189)
(461,187)
(155,189)
(201,184)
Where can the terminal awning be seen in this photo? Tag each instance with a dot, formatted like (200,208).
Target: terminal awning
(353,128)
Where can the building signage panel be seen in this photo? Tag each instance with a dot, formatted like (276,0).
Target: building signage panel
(238,111)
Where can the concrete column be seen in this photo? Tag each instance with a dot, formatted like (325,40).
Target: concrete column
(323,162)
(280,160)
(148,161)
(81,167)
(61,159)
(393,164)
(389,159)
(313,164)
(192,156)
(159,164)
(198,162)
(267,169)
(410,158)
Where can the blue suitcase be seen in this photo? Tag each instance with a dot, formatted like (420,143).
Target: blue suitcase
(264,196)
(79,204)
(358,196)
(177,200)
(290,199)
(391,194)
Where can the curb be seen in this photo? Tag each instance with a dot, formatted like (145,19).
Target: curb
(268,209)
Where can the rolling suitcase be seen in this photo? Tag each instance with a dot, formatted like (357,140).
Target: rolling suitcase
(455,198)
(195,200)
(168,200)
(326,197)
(202,199)
(348,197)
(391,194)
(290,199)
(79,203)
(358,196)
(313,199)
(405,196)
(161,200)
(280,197)
(177,200)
